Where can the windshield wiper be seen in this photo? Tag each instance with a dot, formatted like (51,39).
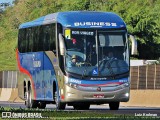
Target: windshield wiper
(73,49)
(85,69)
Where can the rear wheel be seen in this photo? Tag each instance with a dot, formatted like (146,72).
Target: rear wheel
(114,105)
(29,102)
(59,104)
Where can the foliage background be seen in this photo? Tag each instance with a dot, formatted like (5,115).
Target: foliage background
(141,16)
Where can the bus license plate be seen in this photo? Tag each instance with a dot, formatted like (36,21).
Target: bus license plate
(98,95)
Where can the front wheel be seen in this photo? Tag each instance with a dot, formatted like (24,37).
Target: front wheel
(114,105)
(59,104)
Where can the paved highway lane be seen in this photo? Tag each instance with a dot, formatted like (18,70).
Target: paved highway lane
(133,111)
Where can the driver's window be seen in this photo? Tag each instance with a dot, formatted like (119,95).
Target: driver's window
(80,57)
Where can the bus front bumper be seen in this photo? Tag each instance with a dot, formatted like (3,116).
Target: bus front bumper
(103,96)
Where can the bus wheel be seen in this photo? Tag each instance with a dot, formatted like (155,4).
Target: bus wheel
(81,106)
(114,105)
(29,102)
(42,105)
(59,104)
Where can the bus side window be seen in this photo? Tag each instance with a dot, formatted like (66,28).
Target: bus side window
(46,39)
(30,40)
(40,40)
(52,38)
(22,40)
(27,40)
(35,38)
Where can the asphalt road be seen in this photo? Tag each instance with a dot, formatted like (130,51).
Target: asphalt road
(133,111)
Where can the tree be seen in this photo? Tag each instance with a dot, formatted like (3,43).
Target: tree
(142,18)
(15,2)
(4,5)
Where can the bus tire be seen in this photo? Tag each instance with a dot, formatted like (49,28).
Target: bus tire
(114,105)
(29,102)
(59,104)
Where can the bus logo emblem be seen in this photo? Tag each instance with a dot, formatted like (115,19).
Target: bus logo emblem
(99,89)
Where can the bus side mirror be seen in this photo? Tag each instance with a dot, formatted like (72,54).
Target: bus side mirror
(62,44)
(134,45)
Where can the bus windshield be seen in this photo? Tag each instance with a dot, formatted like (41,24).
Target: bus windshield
(96,53)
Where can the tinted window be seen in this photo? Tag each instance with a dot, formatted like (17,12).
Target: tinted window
(35,32)
(30,40)
(52,37)
(22,40)
(39,38)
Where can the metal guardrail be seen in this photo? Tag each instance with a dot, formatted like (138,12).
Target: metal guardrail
(142,77)
(145,77)
(8,79)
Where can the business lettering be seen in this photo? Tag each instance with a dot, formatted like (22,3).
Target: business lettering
(94,24)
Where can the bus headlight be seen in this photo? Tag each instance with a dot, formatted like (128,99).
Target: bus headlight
(127,94)
(73,85)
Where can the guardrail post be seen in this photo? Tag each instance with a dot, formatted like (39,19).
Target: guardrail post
(138,79)
(146,75)
(3,79)
(155,76)
(16,80)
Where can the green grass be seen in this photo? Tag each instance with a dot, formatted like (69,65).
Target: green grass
(74,115)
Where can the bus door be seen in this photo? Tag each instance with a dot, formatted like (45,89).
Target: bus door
(49,75)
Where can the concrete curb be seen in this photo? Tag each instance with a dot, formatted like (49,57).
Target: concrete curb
(144,98)
(10,95)
(140,98)
(14,96)
(5,94)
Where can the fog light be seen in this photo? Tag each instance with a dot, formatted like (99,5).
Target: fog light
(69,94)
(127,94)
